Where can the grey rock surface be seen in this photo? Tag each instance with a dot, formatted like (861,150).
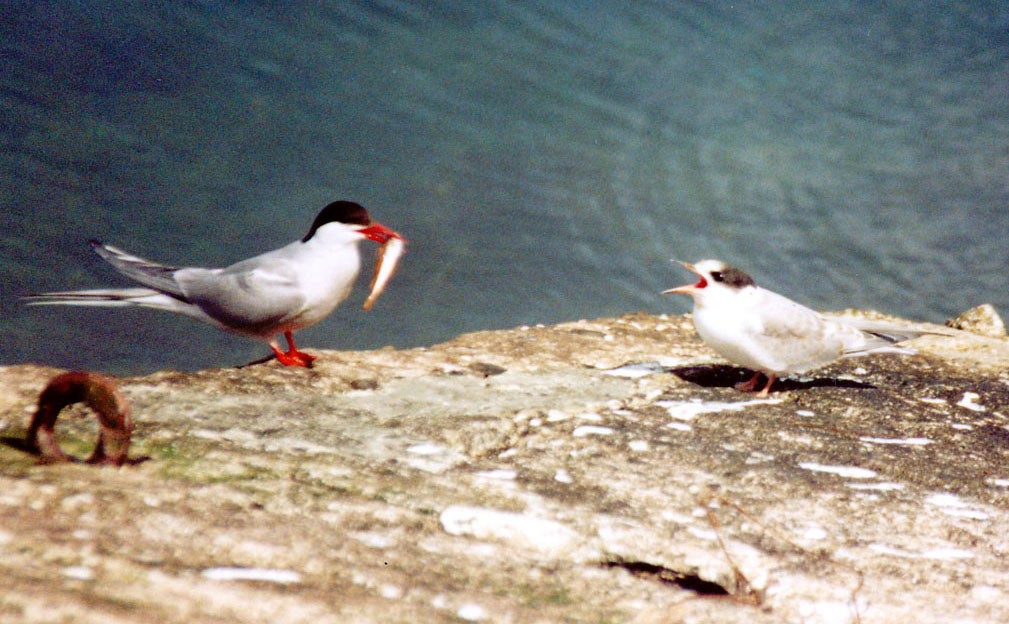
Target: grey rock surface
(594,471)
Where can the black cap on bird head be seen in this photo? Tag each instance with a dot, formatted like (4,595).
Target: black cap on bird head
(732,277)
(347,212)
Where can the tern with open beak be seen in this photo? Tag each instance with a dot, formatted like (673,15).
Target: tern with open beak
(278,292)
(771,334)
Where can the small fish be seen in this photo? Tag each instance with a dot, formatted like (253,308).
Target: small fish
(388,257)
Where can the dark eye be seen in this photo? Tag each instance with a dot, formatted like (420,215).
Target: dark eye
(716,276)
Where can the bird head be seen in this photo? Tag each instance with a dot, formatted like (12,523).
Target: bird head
(712,274)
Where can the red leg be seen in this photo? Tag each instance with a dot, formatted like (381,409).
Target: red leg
(767,389)
(749,386)
(293,350)
(292,357)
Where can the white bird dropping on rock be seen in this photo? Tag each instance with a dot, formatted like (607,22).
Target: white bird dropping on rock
(540,533)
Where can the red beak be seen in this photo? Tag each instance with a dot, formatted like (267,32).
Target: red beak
(379,233)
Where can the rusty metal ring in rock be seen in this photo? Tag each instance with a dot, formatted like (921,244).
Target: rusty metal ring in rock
(99,393)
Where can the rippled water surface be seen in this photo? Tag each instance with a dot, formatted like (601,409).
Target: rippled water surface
(545,159)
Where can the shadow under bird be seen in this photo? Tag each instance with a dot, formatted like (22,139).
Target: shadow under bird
(280,291)
(771,334)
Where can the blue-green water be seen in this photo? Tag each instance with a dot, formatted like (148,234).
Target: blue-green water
(545,159)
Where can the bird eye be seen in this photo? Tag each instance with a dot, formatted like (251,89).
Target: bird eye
(716,276)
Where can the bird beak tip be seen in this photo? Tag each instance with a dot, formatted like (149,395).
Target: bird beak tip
(679,290)
(686,289)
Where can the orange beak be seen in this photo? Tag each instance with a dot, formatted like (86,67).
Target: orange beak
(687,289)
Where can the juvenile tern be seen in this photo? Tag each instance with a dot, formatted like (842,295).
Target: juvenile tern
(771,334)
(280,291)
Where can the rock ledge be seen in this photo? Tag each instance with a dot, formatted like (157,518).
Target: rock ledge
(594,471)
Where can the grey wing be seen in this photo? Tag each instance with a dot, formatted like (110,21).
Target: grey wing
(150,274)
(796,337)
(248,299)
(781,318)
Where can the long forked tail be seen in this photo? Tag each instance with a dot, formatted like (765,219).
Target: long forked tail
(106,297)
(162,292)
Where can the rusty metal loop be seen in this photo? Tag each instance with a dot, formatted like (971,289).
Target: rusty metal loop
(100,394)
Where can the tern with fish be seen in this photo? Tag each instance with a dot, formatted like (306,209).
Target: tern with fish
(277,292)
